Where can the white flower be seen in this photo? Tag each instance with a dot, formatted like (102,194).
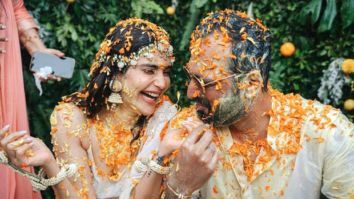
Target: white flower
(160,47)
(332,82)
(121,64)
(102,58)
(133,62)
(149,55)
(115,58)
(170,49)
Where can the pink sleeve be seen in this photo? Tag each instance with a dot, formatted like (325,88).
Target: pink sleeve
(23,19)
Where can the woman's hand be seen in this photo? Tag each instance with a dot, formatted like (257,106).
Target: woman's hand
(171,141)
(175,137)
(52,51)
(24,150)
(57,53)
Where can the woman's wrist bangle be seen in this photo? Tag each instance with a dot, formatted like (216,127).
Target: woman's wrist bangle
(65,171)
(38,182)
(155,165)
(157,168)
(142,165)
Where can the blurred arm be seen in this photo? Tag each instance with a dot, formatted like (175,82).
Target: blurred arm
(67,131)
(27,29)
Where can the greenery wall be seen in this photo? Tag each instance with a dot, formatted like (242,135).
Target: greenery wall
(321,30)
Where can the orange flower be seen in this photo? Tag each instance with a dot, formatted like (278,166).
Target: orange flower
(196,93)
(242,14)
(320,139)
(215,104)
(116,149)
(232,56)
(244,36)
(267,187)
(183,115)
(260,24)
(53,130)
(163,131)
(215,189)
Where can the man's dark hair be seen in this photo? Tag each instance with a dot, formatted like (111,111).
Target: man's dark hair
(250,40)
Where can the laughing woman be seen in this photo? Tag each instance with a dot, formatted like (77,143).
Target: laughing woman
(97,132)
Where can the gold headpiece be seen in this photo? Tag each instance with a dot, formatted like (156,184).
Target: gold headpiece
(120,59)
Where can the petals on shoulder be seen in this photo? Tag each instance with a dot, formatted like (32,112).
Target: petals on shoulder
(325,121)
(68,118)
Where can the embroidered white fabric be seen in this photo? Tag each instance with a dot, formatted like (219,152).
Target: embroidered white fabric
(156,124)
(320,166)
(104,188)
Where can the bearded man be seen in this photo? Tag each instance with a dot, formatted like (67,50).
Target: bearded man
(256,142)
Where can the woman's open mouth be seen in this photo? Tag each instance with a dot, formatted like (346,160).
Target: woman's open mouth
(150,97)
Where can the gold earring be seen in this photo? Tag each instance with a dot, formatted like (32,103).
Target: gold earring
(115,98)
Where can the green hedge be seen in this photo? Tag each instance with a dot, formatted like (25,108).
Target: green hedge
(321,31)
(78,28)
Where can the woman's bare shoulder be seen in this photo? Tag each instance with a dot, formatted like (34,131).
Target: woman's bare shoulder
(68,119)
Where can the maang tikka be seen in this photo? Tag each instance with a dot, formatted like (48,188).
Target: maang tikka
(115,86)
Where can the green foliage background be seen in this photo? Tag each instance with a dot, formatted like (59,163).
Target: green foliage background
(320,29)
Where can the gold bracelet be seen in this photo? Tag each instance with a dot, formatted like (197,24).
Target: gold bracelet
(179,195)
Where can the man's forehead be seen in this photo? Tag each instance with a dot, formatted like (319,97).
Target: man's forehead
(214,42)
(211,53)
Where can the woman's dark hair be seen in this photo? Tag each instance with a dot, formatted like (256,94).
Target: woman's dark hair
(250,40)
(124,39)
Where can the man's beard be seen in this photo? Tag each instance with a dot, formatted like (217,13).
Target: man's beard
(206,117)
(230,109)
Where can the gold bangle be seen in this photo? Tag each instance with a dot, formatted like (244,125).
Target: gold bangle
(179,195)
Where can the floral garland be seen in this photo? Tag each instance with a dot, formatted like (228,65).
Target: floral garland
(116,147)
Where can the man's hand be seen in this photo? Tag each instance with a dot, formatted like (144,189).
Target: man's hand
(195,162)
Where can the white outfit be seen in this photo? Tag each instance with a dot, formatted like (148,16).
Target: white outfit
(105,188)
(324,163)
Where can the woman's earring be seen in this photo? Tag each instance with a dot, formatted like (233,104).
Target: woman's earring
(115,98)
